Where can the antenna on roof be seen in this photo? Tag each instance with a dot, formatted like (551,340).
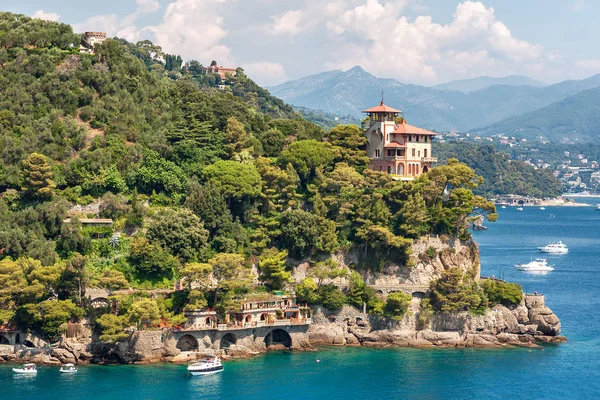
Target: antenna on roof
(381,96)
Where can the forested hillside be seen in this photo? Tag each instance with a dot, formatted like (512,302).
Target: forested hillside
(501,174)
(574,119)
(199,184)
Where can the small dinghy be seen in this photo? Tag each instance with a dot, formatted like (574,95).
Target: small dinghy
(68,369)
(26,369)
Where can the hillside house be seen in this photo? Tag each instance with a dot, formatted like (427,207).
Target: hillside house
(396,147)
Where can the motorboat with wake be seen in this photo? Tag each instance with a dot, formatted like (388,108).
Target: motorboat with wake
(537,265)
(207,365)
(519,208)
(26,369)
(555,248)
(68,369)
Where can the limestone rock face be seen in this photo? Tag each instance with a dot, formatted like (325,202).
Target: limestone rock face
(63,355)
(547,322)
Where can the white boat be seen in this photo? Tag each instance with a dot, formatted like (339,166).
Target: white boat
(68,369)
(597,207)
(542,208)
(503,206)
(26,369)
(207,365)
(555,248)
(537,265)
(519,208)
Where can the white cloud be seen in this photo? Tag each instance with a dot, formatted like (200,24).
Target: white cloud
(114,25)
(266,72)
(287,23)
(193,29)
(48,16)
(375,35)
(147,6)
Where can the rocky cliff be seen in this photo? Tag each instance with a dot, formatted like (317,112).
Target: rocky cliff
(528,324)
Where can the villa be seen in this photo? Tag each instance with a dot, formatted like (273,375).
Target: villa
(396,147)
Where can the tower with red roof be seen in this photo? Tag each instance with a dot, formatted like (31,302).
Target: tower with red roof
(396,147)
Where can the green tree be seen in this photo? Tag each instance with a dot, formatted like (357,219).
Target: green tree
(208,203)
(396,305)
(144,313)
(306,156)
(306,292)
(235,136)
(498,292)
(299,231)
(332,297)
(235,180)
(351,144)
(180,232)
(12,282)
(112,280)
(48,317)
(272,268)
(457,291)
(150,259)
(113,327)
(324,270)
(37,176)
(197,274)
(272,142)
(413,218)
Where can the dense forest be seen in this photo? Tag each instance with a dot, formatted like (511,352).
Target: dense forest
(501,174)
(199,184)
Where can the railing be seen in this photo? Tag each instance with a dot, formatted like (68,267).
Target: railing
(395,157)
(428,159)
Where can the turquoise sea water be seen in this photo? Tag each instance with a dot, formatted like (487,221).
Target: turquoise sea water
(571,370)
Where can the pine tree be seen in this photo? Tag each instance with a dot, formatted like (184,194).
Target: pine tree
(37,174)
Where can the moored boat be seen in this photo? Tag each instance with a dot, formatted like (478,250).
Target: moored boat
(519,208)
(26,369)
(542,208)
(207,365)
(555,248)
(68,369)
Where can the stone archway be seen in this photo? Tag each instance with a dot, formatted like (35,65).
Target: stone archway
(18,338)
(210,322)
(278,337)
(4,340)
(425,169)
(264,317)
(400,169)
(187,343)
(228,340)
(418,295)
(248,319)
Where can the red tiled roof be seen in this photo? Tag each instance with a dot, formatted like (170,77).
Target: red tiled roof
(393,145)
(405,128)
(381,108)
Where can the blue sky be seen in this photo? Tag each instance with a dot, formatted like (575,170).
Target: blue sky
(414,41)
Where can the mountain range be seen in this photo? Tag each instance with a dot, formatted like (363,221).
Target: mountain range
(482,82)
(489,110)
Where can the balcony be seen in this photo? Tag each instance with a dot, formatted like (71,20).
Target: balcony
(395,158)
(429,159)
